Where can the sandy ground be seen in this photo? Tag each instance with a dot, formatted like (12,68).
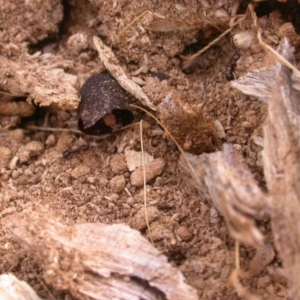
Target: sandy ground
(95,185)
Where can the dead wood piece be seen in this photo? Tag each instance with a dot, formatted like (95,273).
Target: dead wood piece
(113,66)
(14,289)
(282,169)
(98,261)
(41,78)
(260,83)
(223,178)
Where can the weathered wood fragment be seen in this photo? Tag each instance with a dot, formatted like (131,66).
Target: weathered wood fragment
(282,169)
(223,178)
(99,261)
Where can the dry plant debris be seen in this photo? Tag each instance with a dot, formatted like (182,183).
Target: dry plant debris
(98,261)
(192,131)
(113,66)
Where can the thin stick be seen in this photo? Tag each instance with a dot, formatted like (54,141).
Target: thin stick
(144,179)
(33,127)
(102,137)
(53,129)
(237,255)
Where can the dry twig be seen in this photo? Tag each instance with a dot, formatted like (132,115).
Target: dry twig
(282,168)
(113,66)
(98,261)
(144,180)
(223,178)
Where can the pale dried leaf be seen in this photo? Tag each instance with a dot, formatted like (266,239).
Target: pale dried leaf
(98,261)
(113,66)
(134,159)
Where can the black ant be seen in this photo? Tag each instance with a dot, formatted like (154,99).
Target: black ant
(230,74)
(68,153)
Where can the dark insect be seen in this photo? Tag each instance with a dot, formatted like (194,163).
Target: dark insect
(160,76)
(104,105)
(230,74)
(68,153)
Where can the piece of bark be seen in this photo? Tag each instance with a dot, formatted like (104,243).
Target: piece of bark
(113,66)
(41,78)
(282,169)
(223,178)
(260,83)
(98,261)
(11,288)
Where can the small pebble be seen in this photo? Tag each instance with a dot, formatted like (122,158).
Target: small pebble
(152,170)
(51,140)
(5,156)
(33,148)
(17,135)
(80,171)
(139,221)
(102,181)
(130,201)
(15,174)
(263,281)
(160,232)
(184,233)
(118,164)
(244,39)
(117,184)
